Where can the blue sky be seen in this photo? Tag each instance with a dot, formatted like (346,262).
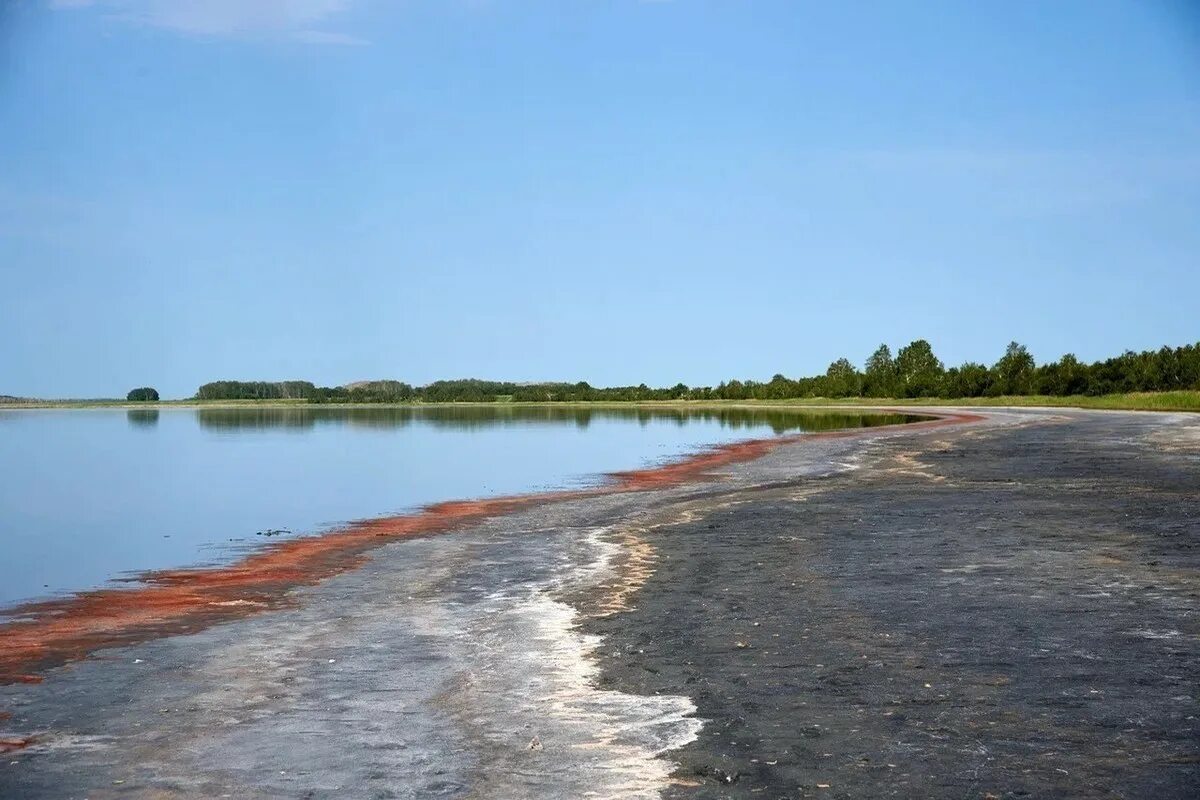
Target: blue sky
(614,191)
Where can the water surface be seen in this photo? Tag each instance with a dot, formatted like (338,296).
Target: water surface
(90,495)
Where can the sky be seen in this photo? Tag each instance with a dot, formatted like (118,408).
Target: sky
(612,191)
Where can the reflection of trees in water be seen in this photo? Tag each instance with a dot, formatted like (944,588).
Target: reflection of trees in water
(473,417)
(142,417)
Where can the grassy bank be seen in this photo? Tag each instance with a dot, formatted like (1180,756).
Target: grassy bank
(1130,401)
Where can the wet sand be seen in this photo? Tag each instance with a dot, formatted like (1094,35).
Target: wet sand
(1000,605)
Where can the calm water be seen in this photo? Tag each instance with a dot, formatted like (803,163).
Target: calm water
(91,495)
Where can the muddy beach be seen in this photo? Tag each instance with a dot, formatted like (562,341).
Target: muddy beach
(1003,611)
(1001,606)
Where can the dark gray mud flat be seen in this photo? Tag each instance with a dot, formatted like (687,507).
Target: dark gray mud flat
(999,611)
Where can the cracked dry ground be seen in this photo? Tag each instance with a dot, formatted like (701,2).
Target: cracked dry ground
(991,612)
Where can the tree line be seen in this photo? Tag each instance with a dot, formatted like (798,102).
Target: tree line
(914,371)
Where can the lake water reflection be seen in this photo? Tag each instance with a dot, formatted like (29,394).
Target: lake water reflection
(91,495)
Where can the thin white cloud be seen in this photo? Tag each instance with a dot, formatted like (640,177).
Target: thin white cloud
(294,20)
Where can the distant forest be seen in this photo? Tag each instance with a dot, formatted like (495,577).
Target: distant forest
(914,371)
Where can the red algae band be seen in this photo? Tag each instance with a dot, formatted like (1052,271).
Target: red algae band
(47,634)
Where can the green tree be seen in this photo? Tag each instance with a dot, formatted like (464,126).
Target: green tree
(969,380)
(734,390)
(142,394)
(1014,371)
(1063,377)
(842,379)
(879,378)
(780,387)
(918,370)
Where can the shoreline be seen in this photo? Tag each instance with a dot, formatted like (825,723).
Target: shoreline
(939,609)
(1182,401)
(41,635)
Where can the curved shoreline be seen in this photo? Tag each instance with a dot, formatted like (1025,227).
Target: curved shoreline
(51,633)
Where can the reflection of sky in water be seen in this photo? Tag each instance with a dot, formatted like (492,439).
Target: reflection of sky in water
(87,495)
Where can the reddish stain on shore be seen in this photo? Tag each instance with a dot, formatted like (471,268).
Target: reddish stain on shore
(54,632)
(11,745)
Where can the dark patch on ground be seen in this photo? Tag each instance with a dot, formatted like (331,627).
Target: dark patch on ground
(1006,613)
